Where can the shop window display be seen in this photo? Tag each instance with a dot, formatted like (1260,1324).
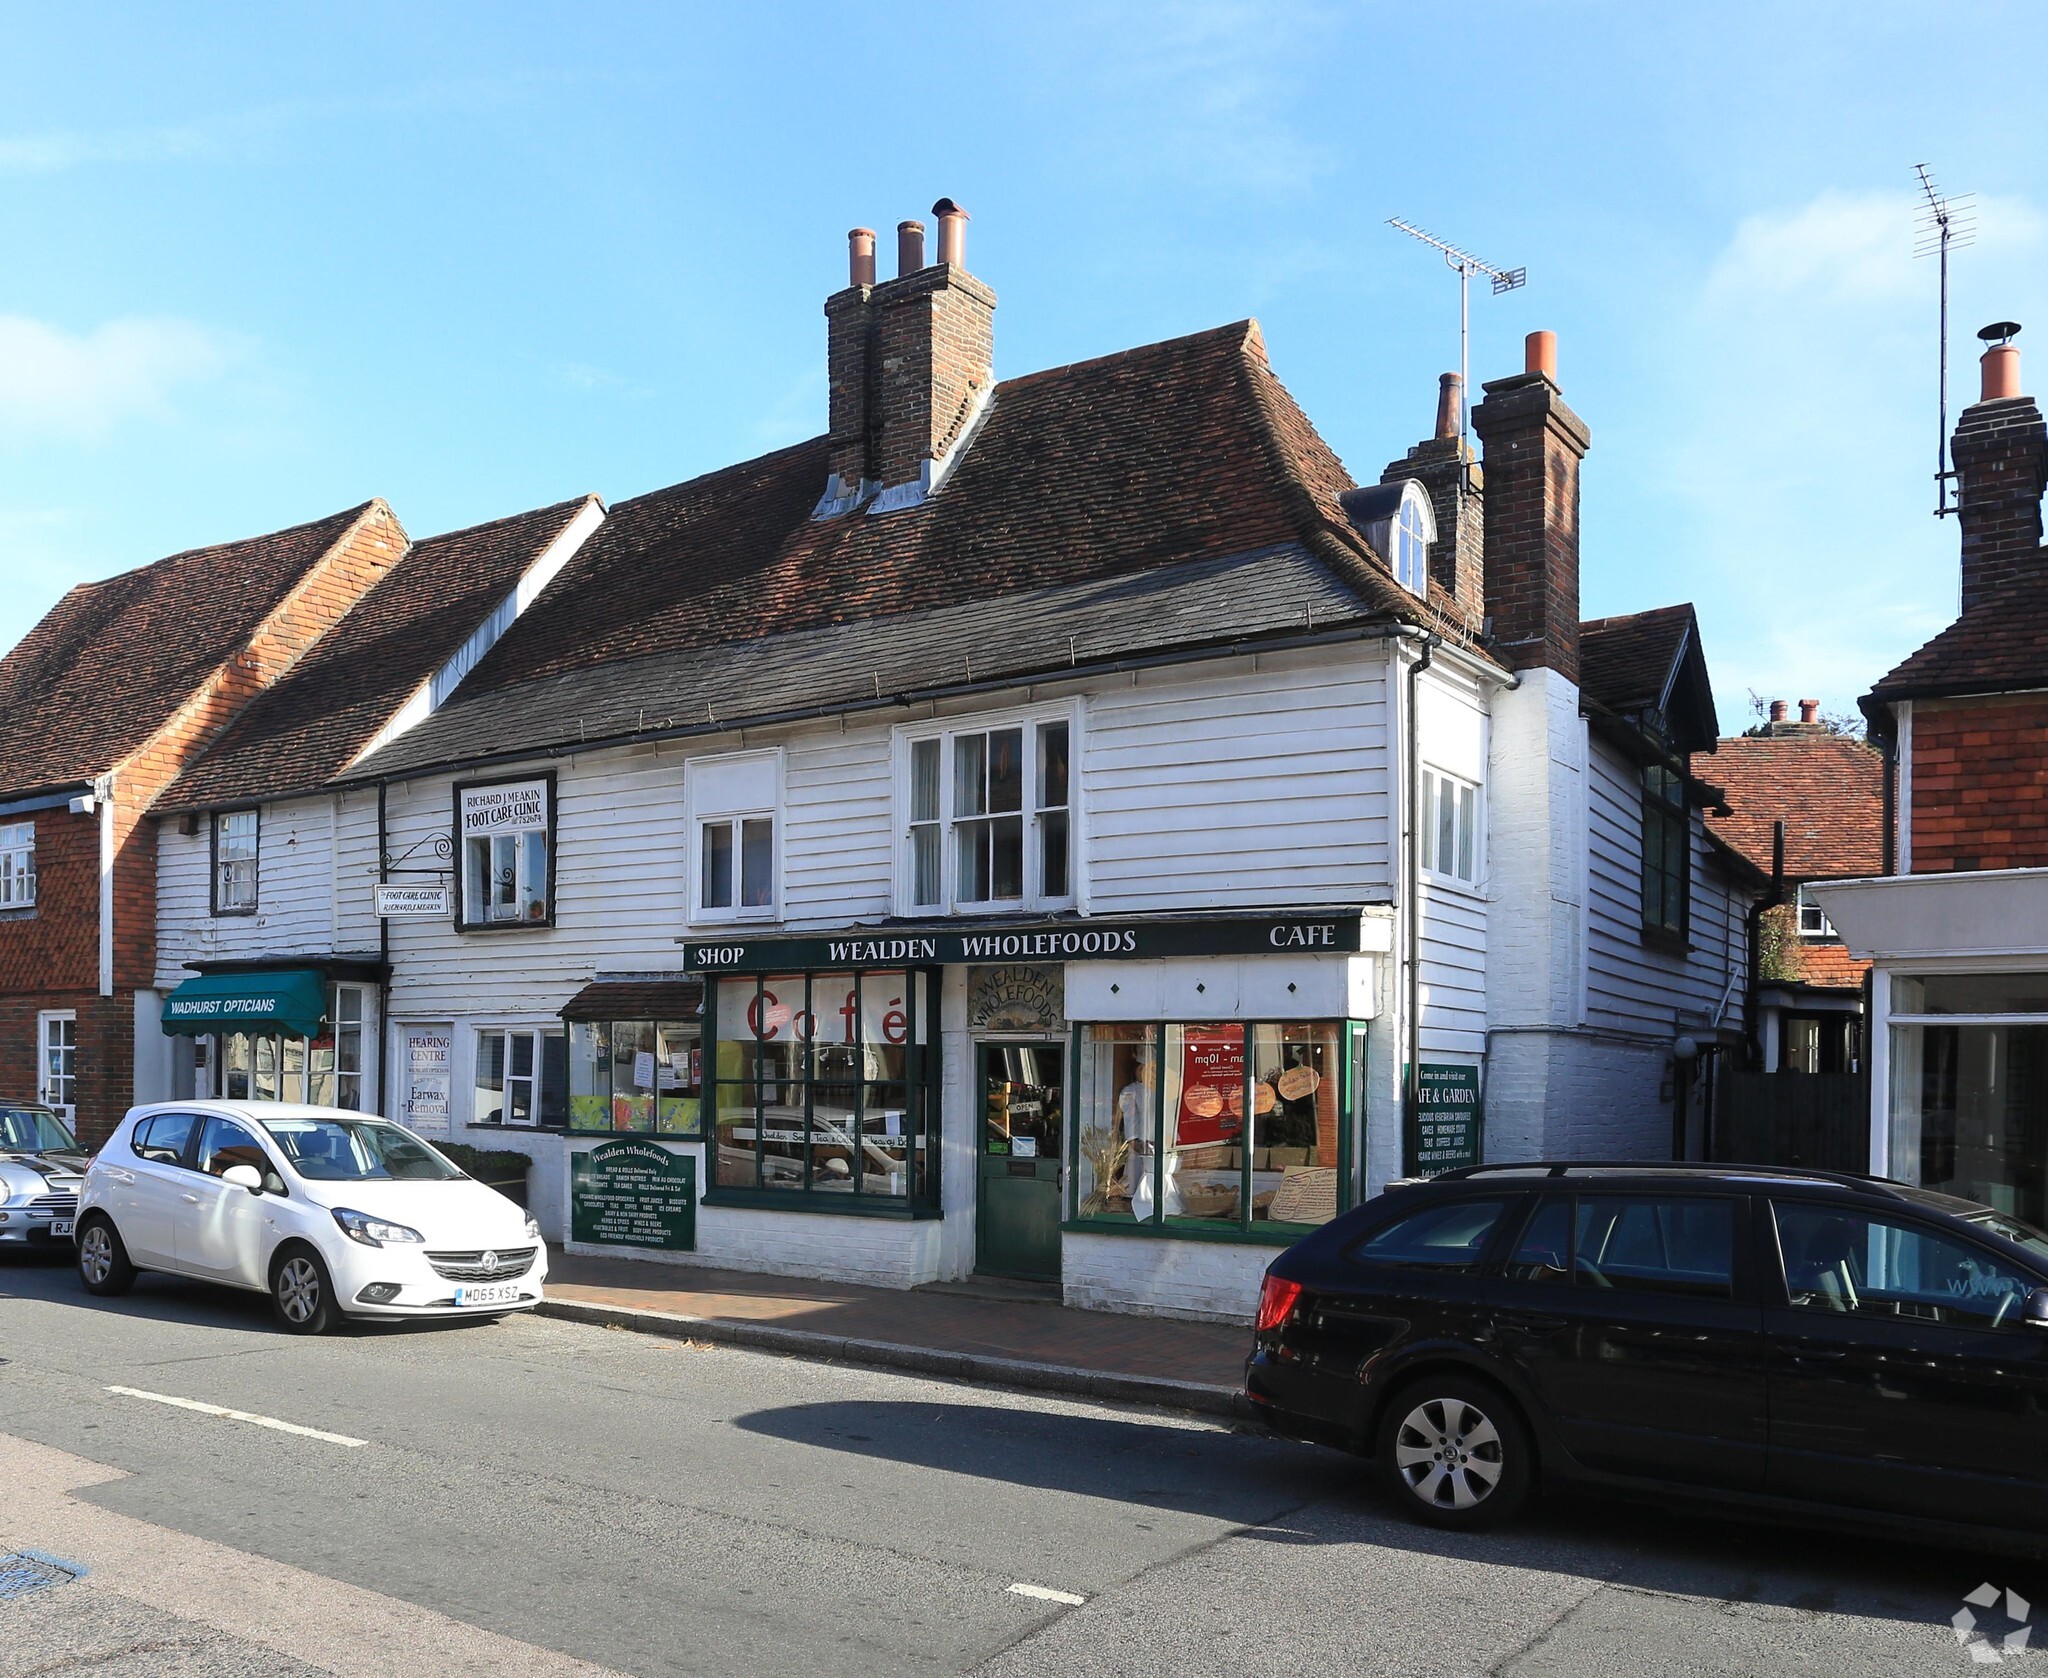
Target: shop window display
(636,1075)
(1210,1124)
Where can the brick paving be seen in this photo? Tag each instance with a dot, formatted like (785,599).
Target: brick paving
(1023,1331)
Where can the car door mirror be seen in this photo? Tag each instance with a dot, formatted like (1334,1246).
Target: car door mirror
(2036,1315)
(248,1177)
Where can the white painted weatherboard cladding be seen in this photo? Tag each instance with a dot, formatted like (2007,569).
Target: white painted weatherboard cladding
(1452,722)
(1252,784)
(837,849)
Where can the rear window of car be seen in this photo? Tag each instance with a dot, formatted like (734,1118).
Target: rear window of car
(1449,1236)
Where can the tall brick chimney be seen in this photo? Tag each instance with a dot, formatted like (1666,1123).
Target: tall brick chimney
(2001,461)
(1444,466)
(1533,445)
(911,363)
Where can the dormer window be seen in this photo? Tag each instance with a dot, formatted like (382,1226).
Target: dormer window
(1399,522)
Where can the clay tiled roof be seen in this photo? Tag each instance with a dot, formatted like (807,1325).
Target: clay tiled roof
(1626,662)
(1828,790)
(1181,451)
(311,724)
(2000,645)
(112,661)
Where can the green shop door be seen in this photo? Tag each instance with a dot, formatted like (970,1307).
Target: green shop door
(1017,1204)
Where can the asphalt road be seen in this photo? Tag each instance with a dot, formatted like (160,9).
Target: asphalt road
(547,1490)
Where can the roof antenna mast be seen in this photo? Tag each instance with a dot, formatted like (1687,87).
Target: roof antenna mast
(1945,224)
(1464,265)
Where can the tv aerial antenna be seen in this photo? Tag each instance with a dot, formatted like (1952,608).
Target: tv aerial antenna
(1464,264)
(1945,224)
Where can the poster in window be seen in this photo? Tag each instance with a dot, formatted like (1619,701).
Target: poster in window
(1212,1085)
(428,1054)
(509,807)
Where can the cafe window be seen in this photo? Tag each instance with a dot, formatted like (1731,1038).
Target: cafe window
(507,830)
(1667,850)
(325,1070)
(521,1078)
(636,1075)
(17,865)
(1449,827)
(1226,1125)
(235,836)
(824,1091)
(733,810)
(989,817)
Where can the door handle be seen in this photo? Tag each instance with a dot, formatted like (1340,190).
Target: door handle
(191,1200)
(1536,1322)
(124,1177)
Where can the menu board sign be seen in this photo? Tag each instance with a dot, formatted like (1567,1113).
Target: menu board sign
(633,1193)
(1212,1085)
(1448,1120)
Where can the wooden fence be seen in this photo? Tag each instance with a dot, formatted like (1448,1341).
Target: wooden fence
(1820,1121)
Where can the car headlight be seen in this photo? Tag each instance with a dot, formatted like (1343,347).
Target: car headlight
(533,1229)
(372,1232)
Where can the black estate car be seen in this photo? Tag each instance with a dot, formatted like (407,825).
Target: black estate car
(1796,1342)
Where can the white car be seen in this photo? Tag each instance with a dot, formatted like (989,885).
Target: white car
(331,1213)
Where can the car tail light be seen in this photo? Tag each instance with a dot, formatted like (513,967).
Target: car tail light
(1276,1299)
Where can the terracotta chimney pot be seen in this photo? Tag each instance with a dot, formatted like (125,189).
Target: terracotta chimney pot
(1540,351)
(909,247)
(1778,710)
(1809,710)
(1450,405)
(860,256)
(952,233)
(2001,364)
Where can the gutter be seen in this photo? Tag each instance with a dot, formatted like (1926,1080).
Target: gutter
(1378,630)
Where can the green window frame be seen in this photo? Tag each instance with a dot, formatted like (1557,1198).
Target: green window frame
(818,1101)
(1667,851)
(1202,1202)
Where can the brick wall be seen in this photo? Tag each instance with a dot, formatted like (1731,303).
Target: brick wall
(55,945)
(105,1063)
(1533,447)
(1980,783)
(2001,456)
(935,344)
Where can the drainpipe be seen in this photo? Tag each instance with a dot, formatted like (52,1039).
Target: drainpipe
(1411,1081)
(384,980)
(1755,919)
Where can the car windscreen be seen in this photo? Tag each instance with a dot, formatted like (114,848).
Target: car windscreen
(356,1151)
(32,1130)
(2021,1235)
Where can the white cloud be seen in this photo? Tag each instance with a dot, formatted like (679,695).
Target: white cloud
(44,154)
(81,385)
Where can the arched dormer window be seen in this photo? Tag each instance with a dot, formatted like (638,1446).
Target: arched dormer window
(1399,522)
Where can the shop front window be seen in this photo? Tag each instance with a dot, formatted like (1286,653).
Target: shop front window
(1969,1087)
(521,1078)
(636,1075)
(821,1088)
(325,1070)
(1242,1126)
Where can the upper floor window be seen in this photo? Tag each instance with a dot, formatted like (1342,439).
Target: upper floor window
(989,817)
(1667,850)
(17,865)
(235,834)
(733,807)
(1397,519)
(507,830)
(1411,543)
(1813,920)
(1449,827)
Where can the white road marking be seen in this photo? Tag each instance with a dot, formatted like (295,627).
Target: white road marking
(1044,1593)
(226,1414)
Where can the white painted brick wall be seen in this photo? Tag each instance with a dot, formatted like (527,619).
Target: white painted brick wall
(1212,1281)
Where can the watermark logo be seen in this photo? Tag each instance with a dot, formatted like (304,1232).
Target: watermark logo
(1992,1636)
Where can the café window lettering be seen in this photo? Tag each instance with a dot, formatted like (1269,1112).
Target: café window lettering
(1211,1125)
(990,817)
(235,836)
(521,1078)
(507,830)
(734,803)
(17,865)
(822,1090)
(636,1075)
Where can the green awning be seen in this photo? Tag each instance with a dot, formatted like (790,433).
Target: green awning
(292,1001)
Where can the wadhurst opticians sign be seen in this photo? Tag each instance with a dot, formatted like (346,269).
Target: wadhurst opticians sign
(1328,932)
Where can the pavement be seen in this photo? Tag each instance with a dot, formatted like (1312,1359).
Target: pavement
(542,1496)
(988,1333)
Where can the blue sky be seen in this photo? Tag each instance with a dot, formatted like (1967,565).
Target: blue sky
(264,262)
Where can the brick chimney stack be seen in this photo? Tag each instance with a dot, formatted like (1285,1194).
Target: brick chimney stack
(1444,466)
(911,362)
(2001,460)
(1533,445)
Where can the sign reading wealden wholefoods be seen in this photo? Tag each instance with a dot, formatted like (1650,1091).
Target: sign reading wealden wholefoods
(1447,1120)
(1328,932)
(633,1193)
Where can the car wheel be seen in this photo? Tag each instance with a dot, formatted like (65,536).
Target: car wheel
(103,1263)
(1456,1453)
(300,1291)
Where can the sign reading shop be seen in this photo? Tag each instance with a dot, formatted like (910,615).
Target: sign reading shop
(1331,932)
